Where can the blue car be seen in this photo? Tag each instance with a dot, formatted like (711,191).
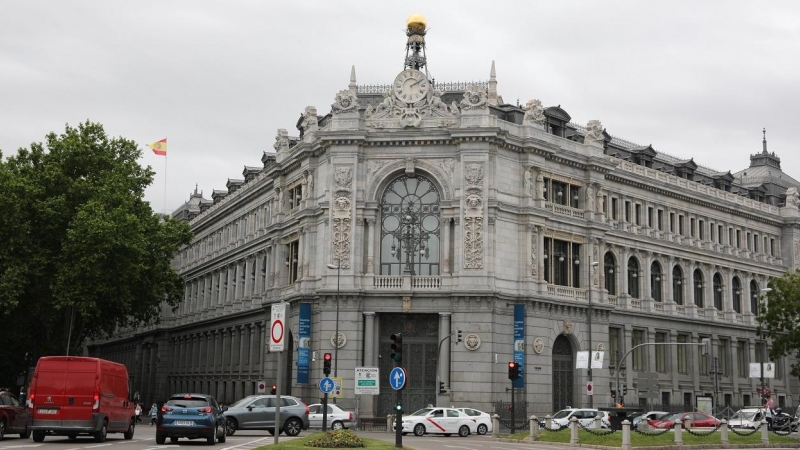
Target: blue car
(190,416)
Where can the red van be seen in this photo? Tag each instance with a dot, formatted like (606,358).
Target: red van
(72,395)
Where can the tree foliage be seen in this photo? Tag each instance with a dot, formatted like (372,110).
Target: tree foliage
(79,244)
(780,316)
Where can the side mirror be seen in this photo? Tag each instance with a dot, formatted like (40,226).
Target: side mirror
(250,408)
(224,408)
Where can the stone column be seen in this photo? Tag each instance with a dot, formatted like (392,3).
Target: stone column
(628,344)
(458,248)
(240,330)
(623,273)
(258,287)
(647,261)
(230,291)
(248,281)
(735,368)
(667,280)
(651,350)
(672,352)
(222,276)
(366,401)
(694,352)
(445,246)
(444,361)
(371,244)
(212,293)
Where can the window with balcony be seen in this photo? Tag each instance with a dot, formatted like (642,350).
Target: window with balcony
(712,230)
(737,294)
(614,208)
(650,216)
(633,277)
(677,285)
(697,282)
(637,355)
(609,264)
(627,211)
(701,229)
(292,260)
(691,227)
(742,359)
(754,299)
(660,223)
(638,214)
(410,217)
(655,281)
(661,352)
(682,356)
(561,262)
(718,291)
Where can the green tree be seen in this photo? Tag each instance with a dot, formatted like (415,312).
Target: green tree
(780,314)
(80,249)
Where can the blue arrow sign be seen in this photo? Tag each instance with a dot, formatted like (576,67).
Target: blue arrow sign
(326,385)
(397,378)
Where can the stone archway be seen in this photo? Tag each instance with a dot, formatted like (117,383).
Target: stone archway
(563,373)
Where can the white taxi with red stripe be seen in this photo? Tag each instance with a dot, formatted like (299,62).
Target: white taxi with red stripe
(446,421)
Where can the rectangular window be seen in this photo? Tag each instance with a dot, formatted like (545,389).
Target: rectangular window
(638,214)
(712,230)
(292,253)
(755,243)
(681,231)
(702,360)
(742,360)
(574,196)
(615,208)
(682,359)
(671,222)
(637,338)
(660,220)
(748,246)
(772,247)
(650,216)
(661,352)
(702,230)
(722,357)
(739,239)
(548,190)
(627,211)
(720,231)
(613,345)
(605,205)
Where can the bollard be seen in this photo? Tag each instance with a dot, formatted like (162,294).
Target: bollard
(687,423)
(764,432)
(596,423)
(495,425)
(389,423)
(678,433)
(573,430)
(548,422)
(626,435)
(723,435)
(534,428)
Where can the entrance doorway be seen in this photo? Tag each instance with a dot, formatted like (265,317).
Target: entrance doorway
(563,370)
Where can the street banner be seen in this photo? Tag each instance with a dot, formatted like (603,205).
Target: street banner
(519,344)
(582,360)
(597,359)
(304,343)
(769,370)
(755,370)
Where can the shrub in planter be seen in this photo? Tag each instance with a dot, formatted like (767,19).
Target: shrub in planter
(337,439)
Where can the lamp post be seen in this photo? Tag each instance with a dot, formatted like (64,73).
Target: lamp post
(336,333)
(764,291)
(591,313)
(411,236)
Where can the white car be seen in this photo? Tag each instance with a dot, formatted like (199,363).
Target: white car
(482,420)
(647,417)
(446,421)
(585,417)
(337,417)
(747,418)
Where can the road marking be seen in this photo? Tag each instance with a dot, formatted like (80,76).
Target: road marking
(98,445)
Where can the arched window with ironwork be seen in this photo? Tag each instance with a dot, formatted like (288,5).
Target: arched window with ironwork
(737,295)
(633,277)
(410,230)
(677,285)
(655,281)
(609,265)
(697,282)
(754,300)
(718,287)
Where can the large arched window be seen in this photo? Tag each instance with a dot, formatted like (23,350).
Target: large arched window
(633,277)
(655,281)
(754,297)
(609,263)
(718,291)
(737,295)
(677,285)
(697,284)
(410,227)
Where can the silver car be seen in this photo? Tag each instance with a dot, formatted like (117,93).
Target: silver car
(257,412)
(337,417)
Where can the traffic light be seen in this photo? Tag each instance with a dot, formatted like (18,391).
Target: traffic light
(398,407)
(441,387)
(326,364)
(397,349)
(458,335)
(706,349)
(274,390)
(513,371)
(625,390)
(613,393)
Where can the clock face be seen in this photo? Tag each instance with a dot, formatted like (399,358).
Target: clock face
(410,86)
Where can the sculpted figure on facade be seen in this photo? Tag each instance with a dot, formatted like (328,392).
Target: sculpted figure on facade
(474,98)
(793,197)
(440,108)
(279,200)
(594,132)
(309,122)
(590,196)
(345,101)
(601,206)
(527,187)
(281,140)
(539,187)
(383,109)
(474,175)
(534,113)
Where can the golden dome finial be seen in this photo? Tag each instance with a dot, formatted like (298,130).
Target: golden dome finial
(416,23)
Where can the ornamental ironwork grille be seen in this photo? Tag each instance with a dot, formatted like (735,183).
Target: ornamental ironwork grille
(410,227)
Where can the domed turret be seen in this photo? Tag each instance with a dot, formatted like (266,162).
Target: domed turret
(415,46)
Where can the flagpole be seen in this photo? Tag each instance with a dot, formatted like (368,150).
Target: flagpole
(165,180)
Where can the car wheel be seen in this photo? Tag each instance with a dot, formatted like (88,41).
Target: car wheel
(230,427)
(72,437)
(100,436)
(448,434)
(337,425)
(271,431)
(221,432)
(212,438)
(483,429)
(419,429)
(160,439)
(2,429)
(404,434)
(27,433)
(38,436)
(128,435)
(463,431)
(292,427)
(173,439)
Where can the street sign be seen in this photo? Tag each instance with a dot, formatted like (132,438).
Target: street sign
(326,385)
(397,378)
(589,388)
(367,381)
(262,387)
(337,387)
(277,328)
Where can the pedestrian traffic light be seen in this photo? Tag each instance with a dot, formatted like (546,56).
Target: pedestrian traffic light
(441,387)
(513,371)
(326,364)
(398,407)
(397,349)
(274,390)
(458,335)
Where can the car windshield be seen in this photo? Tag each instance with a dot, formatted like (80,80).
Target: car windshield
(676,416)
(744,415)
(421,412)
(241,403)
(562,414)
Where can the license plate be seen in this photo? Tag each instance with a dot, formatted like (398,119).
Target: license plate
(48,411)
(187,423)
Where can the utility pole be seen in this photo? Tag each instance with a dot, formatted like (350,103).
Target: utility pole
(716,373)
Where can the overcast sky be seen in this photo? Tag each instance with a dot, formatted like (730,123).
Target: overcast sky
(696,79)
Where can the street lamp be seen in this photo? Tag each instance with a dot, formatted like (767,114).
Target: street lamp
(336,333)
(764,291)
(591,270)
(411,236)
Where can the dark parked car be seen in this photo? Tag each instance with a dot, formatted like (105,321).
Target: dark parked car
(191,416)
(14,417)
(257,412)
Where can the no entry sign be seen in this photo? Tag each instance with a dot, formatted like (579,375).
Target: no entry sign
(277,328)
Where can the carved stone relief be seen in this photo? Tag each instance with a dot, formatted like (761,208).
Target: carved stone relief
(428,112)
(534,113)
(281,140)
(406,303)
(538,345)
(474,98)
(568,327)
(594,132)
(342,216)
(472,342)
(473,217)
(345,101)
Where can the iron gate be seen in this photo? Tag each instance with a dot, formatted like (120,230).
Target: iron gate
(562,374)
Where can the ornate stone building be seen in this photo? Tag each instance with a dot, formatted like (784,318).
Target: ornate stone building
(427,208)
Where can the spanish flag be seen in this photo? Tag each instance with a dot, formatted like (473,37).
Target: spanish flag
(159,147)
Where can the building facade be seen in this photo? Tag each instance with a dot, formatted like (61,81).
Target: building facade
(439,211)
